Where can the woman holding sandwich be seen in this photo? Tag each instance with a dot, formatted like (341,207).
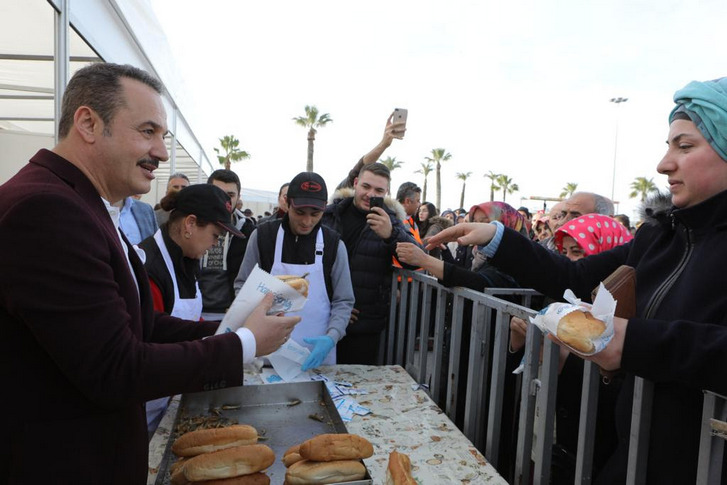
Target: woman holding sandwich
(678,338)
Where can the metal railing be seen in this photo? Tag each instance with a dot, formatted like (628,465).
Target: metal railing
(432,328)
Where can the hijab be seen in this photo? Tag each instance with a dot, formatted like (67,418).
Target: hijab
(705,103)
(505,213)
(594,233)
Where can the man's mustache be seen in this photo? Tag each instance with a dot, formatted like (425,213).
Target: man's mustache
(149,161)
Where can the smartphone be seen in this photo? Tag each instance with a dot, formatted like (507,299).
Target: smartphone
(400,115)
(376,202)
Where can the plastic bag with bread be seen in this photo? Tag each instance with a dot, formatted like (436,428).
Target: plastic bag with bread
(586,329)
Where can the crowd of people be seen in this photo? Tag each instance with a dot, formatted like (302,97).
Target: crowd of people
(115,307)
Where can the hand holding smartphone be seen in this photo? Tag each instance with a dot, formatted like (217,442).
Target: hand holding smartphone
(400,115)
(376,202)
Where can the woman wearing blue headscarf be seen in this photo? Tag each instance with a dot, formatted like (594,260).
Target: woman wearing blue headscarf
(678,338)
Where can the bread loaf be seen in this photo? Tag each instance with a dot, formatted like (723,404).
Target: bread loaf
(578,329)
(299,283)
(292,455)
(330,447)
(231,462)
(307,472)
(254,479)
(206,440)
(398,472)
(177,465)
(177,476)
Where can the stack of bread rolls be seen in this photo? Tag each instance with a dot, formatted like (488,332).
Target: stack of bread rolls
(327,458)
(221,456)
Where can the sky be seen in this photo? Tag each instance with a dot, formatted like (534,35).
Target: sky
(520,88)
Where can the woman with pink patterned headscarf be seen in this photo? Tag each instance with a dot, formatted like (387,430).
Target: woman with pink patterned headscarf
(590,234)
(500,211)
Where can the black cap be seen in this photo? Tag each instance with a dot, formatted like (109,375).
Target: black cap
(209,203)
(308,189)
(525,210)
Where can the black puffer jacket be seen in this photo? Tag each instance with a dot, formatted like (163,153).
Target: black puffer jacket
(678,338)
(370,260)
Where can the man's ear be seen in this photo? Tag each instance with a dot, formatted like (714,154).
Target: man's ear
(87,124)
(355,182)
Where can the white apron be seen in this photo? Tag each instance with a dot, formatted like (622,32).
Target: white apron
(188,309)
(317,309)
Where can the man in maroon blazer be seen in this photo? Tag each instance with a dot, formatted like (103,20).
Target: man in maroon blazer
(82,349)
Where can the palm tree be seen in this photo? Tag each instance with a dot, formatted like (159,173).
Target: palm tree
(230,145)
(439,155)
(494,177)
(641,187)
(311,120)
(506,185)
(568,190)
(425,170)
(391,163)
(463,176)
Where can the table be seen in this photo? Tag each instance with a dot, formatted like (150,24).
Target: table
(403,418)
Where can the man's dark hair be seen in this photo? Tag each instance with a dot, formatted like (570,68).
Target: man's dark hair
(407,190)
(624,220)
(98,86)
(225,176)
(377,169)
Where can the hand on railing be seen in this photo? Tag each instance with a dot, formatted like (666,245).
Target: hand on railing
(518,330)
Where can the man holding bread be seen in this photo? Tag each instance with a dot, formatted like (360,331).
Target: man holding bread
(678,336)
(299,245)
(83,349)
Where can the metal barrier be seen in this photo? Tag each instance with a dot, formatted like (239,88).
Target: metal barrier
(419,302)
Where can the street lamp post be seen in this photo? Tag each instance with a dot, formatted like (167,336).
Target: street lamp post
(618,101)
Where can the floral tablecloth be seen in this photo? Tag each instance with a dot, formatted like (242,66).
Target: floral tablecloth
(403,418)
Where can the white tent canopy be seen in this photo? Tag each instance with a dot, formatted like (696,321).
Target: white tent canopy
(34,51)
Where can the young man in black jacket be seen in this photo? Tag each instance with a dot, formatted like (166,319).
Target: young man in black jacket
(370,235)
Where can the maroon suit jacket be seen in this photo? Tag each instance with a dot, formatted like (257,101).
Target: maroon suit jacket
(81,349)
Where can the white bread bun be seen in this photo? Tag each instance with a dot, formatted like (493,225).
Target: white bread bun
(578,329)
(307,472)
(398,472)
(254,479)
(300,284)
(330,447)
(207,440)
(291,455)
(232,462)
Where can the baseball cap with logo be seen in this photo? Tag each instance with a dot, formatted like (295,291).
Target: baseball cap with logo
(308,189)
(209,203)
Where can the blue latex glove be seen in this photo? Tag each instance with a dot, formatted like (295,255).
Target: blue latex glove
(321,347)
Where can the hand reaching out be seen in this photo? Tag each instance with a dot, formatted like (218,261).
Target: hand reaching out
(465,233)
(410,253)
